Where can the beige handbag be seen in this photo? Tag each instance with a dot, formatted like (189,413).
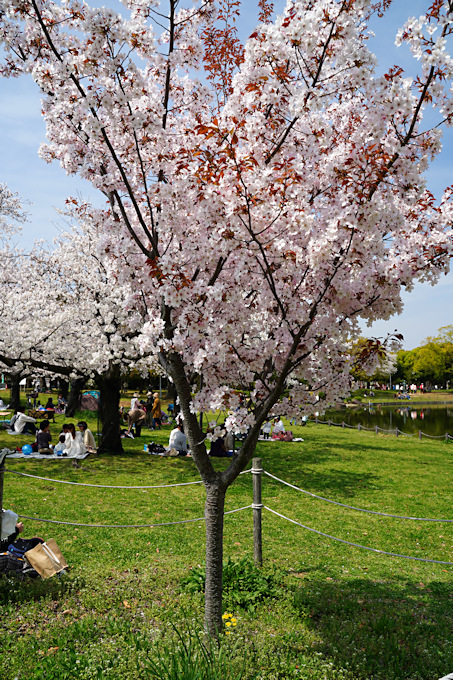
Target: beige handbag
(46,558)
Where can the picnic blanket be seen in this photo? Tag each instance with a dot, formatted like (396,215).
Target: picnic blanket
(19,454)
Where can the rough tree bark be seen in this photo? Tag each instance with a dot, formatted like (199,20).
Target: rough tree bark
(14,402)
(76,386)
(109,384)
(216,485)
(214,511)
(63,387)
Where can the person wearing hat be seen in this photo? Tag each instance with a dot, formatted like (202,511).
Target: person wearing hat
(156,412)
(135,403)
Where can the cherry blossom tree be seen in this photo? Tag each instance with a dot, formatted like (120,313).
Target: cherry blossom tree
(61,315)
(12,215)
(263,199)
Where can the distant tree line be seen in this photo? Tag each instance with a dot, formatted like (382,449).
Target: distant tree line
(431,363)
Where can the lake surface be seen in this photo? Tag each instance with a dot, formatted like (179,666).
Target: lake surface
(431,420)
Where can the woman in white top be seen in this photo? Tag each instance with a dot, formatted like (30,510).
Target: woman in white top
(278,426)
(74,445)
(88,438)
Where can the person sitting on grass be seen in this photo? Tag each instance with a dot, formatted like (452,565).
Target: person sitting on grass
(178,440)
(60,447)
(11,547)
(279,428)
(74,445)
(43,438)
(24,424)
(219,450)
(50,406)
(88,438)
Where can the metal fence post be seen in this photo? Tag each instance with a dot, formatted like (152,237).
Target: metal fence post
(257,506)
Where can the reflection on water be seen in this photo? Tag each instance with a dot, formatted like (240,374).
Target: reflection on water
(432,420)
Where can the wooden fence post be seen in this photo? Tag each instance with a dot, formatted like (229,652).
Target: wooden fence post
(257,506)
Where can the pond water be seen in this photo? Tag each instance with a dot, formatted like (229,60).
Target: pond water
(431,420)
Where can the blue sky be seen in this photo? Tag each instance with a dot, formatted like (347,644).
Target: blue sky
(46,187)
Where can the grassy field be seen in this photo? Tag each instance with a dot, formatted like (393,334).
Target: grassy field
(319,609)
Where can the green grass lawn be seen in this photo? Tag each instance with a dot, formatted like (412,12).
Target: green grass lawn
(336,611)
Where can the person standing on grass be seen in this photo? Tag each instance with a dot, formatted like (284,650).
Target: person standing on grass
(136,416)
(157,412)
(267,428)
(135,402)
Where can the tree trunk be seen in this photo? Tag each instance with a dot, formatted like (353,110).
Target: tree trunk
(76,386)
(214,509)
(172,395)
(14,401)
(63,388)
(109,385)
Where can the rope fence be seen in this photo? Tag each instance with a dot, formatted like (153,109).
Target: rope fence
(352,507)
(355,545)
(108,486)
(129,526)
(396,431)
(257,506)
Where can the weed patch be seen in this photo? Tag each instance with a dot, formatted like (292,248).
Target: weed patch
(244,585)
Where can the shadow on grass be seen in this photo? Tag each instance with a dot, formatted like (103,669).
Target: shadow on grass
(13,590)
(336,484)
(297,470)
(385,631)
